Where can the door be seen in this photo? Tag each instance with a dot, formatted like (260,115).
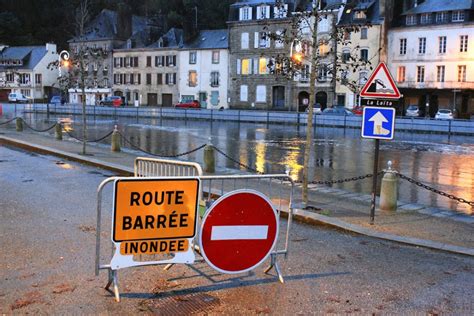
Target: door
(278,96)
(322,99)
(152,99)
(203,99)
(167,100)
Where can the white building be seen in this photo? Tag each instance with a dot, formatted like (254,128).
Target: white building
(204,69)
(24,69)
(431,54)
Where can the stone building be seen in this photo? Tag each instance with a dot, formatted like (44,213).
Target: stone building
(149,75)
(24,69)
(203,69)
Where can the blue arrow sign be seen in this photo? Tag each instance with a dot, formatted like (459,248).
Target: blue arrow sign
(378,123)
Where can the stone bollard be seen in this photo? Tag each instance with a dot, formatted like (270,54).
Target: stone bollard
(58,131)
(209,159)
(115,146)
(389,190)
(19,124)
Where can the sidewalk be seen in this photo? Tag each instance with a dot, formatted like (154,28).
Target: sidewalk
(412,224)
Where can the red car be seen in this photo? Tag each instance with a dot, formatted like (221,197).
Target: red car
(189,105)
(357,110)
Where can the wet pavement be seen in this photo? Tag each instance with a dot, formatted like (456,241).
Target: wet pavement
(445,164)
(48,241)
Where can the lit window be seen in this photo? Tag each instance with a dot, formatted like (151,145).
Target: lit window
(215,57)
(462,73)
(401,74)
(360,15)
(262,66)
(245,69)
(192,78)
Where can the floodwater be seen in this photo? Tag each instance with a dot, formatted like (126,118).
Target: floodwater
(446,164)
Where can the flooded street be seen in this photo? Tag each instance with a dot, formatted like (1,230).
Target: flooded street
(446,164)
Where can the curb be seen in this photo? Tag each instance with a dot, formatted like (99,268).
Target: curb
(298,214)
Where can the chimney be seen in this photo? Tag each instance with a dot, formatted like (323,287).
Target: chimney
(50,47)
(124,21)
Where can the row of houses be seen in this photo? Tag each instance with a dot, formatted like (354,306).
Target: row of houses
(427,44)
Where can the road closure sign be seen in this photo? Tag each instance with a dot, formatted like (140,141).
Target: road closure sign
(154,216)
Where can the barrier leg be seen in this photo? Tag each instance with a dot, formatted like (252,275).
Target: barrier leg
(274,264)
(113,278)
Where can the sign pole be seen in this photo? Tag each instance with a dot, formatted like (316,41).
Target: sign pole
(374,181)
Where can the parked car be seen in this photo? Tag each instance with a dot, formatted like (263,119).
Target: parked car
(339,110)
(189,105)
(17,98)
(114,100)
(57,100)
(444,114)
(357,110)
(316,109)
(413,111)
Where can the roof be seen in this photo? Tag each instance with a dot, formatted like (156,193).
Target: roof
(251,2)
(440,5)
(31,55)
(172,39)
(371,9)
(104,26)
(209,39)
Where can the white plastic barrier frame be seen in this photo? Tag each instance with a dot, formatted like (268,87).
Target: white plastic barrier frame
(284,179)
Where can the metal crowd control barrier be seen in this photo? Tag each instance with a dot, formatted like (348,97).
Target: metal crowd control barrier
(152,167)
(278,188)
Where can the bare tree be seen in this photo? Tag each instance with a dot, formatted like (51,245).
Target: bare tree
(81,64)
(309,47)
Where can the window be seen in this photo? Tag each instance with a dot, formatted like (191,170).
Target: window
(464,42)
(280,10)
(360,15)
(442,17)
(279,41)
(462,73)
(458,16)
(192,78)
(170,78)
(323,25)
(262,66)
(425,18)
(403,46)
(215,57)
(38,78)
(262,40)
(420,74)
(148,61)
(159,79)
(24,78)
(363,33)
(411,19)
(171,60)
(421,45)
(364,54)
(322,73)
(305,73)
(346,55)
(401,74)
(442,44)
(127,61)
(148,78)
(135,62)
(440,73)
(192,58)
(159,61)
(261,94)
(245,69)
(10,77)
(26,92)
(214,79)
(244,41)
(363,77)
(347,35)
(263,12)
(245,13)
(244,93)
(323,49)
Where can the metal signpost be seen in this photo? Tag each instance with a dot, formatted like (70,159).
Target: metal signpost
(380,95)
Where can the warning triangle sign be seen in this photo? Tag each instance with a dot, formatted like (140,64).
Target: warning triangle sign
(380,85)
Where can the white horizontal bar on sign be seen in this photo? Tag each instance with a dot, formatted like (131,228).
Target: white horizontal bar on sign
(239,232)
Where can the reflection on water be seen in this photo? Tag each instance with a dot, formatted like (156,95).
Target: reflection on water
(336,153)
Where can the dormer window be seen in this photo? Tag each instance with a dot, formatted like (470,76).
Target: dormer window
(458,16)
(245,13)
(360,15)
(129,43)
(425,18)
(411,19)
(263,12)
(280,11)
(442,17)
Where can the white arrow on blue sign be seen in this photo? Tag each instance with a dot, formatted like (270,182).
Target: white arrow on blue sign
(378,122)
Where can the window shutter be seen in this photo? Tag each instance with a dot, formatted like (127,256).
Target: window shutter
(259,12)
(240,13)
(162,61)
(256,39)
(239,66)
(174,75)
(167,61)
(255,66)
(174,60)
(267,12)
(139,78)
(250,12)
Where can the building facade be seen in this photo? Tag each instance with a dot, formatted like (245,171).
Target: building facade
(149,75)
(431,54)
(203,69)
(24,69)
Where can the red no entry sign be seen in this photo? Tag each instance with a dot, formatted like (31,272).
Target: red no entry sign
(239,231)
